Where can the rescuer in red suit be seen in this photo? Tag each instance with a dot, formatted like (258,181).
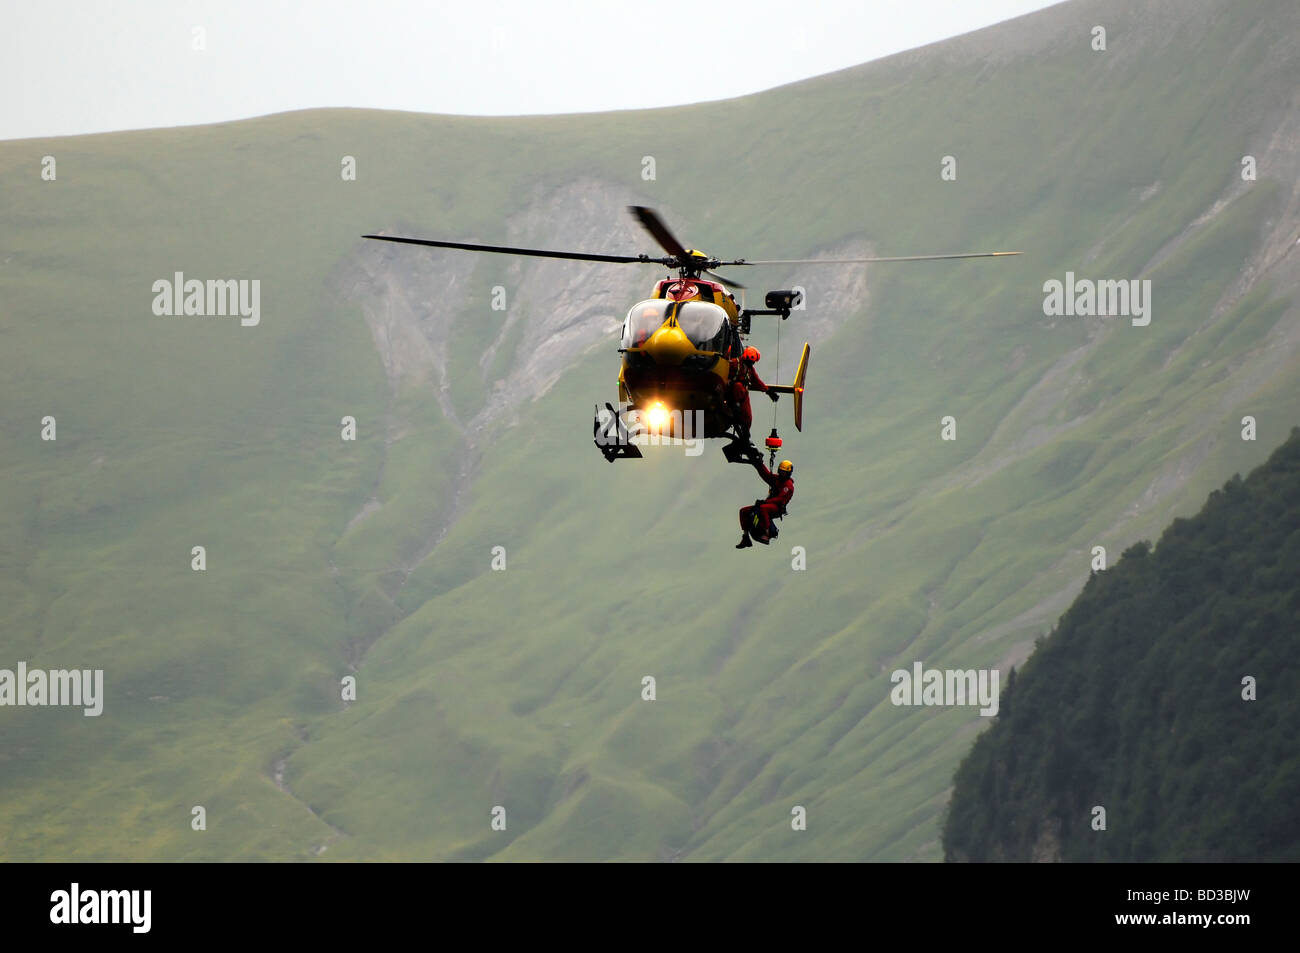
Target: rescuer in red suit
(781,488)
(744,378)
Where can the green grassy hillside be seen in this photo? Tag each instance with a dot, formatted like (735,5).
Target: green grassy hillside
(522,688)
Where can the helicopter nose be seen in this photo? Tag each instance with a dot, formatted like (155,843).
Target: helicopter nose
(669,345)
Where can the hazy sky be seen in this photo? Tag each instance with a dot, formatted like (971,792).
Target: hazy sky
(74,66)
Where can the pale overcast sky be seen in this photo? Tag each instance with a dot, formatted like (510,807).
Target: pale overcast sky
(76,66)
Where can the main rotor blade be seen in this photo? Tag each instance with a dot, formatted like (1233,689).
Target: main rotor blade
(534,252)
(651,222)
(725,280)
(856,261)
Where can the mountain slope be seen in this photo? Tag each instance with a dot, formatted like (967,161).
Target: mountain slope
(1137,703)
(523,688)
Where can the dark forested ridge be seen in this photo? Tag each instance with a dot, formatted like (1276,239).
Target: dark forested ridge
(1138,702)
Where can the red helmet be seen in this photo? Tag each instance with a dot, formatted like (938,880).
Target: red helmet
(751,354)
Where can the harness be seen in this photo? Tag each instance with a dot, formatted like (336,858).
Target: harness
(740,371)
(780,506)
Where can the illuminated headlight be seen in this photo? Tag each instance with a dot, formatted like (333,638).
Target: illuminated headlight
(656,416)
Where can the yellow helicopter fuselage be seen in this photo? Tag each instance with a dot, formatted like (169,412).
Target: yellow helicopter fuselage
(678,349)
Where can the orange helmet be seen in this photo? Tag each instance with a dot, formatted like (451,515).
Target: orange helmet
(751,354)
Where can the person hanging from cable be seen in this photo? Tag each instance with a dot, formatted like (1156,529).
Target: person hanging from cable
(744,378)
(780,489)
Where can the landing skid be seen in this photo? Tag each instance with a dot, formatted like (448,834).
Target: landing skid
(611,436)
(612,453)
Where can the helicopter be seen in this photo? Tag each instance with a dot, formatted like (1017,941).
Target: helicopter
(682,346)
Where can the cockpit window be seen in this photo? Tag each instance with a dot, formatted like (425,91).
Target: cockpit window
(643,320)
(705,325)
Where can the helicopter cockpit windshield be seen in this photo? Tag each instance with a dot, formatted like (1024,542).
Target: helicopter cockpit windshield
(643,320)
(704,324)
